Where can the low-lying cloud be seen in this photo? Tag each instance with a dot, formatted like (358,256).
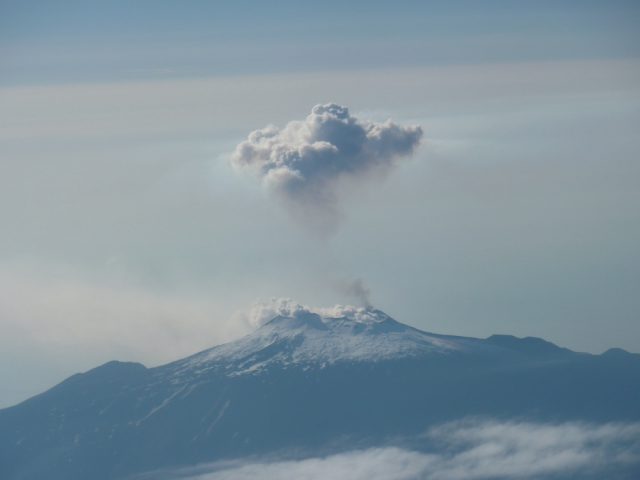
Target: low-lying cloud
(494,449)
(303,161)
(466,450)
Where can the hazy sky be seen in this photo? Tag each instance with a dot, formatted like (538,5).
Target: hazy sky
(127,233)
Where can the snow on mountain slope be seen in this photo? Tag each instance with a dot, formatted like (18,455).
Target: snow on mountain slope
(305,338)
(304,381)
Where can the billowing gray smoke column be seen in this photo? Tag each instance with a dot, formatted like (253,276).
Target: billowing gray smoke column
(302,162)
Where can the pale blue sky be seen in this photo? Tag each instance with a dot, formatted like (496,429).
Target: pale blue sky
(126,233)
(71,41)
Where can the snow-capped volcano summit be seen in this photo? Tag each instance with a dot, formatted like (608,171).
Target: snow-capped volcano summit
(314,338)
(305,380)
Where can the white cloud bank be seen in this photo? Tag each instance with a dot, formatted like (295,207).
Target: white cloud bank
(303,161)
(470,450)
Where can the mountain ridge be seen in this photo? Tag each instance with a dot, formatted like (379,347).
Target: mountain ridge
(356,317)
(303,381)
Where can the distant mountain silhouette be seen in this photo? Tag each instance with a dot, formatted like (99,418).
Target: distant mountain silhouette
(309,383)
